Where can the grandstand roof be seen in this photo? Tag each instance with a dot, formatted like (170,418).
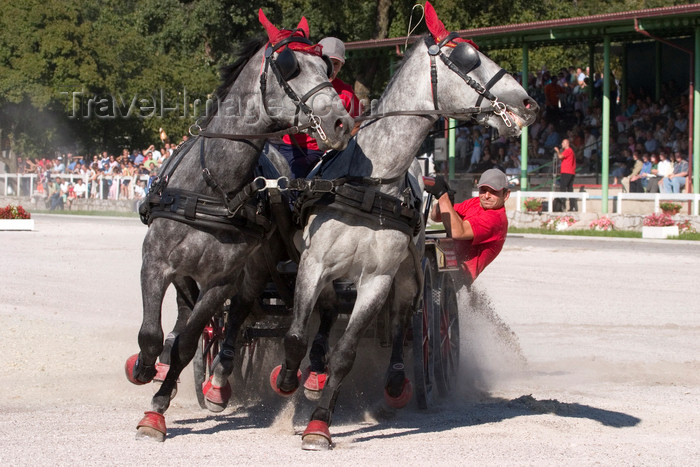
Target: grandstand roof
(667,22)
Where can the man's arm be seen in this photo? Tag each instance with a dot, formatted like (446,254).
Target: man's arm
(456,228)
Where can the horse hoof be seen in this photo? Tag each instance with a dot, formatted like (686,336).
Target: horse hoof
(316,437)
(151,427)
(216,397)
(130,367)
(314,384)
(400,401)
(273,382)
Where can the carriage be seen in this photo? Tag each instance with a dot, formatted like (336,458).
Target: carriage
(433,337)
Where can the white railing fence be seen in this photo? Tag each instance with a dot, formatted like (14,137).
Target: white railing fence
(29,185)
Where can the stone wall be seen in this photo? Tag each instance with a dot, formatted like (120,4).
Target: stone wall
(42,204)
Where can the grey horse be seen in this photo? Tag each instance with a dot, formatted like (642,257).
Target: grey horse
(374,253)
(201,229)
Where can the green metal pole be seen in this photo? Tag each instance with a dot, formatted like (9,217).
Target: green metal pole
(591,71)
(696,118)
(605,157)
(524,135)
(657,71)
(451,147)
(623,78)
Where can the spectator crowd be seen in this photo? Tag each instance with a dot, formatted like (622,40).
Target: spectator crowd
(101,176)
(648,143)
(571,103)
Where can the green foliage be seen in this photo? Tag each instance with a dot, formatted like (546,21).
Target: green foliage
(60,59)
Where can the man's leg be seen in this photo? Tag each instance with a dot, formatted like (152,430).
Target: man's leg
(678,183)
(666,186)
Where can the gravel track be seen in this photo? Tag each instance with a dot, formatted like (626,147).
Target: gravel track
(575,352)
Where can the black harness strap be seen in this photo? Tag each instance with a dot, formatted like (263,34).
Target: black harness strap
(385,210)
(490,84)
(206,211)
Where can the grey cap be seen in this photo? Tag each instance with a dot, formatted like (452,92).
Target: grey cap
(494,179)
(333,48)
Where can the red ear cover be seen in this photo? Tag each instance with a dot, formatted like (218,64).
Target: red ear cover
(304,26)
(435,26)
(438,30)
(272,31)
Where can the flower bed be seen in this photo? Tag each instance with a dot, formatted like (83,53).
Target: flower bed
(15,218)
(604,223)
(558,223)
(659,226)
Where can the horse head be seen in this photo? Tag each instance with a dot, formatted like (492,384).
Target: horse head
(463,77)
(296,89)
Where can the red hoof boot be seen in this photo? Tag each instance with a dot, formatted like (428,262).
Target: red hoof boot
(273,381)
(161,372)
(216,397)
(316,437)
(129,369)
(152,426)
(314,383)
(402,399)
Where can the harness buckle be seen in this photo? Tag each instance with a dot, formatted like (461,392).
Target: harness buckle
(320,185)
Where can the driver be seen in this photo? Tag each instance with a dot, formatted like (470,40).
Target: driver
(479,225)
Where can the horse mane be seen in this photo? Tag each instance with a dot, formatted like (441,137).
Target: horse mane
(229,73)
(409,52)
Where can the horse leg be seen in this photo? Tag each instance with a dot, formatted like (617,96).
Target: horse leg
(152,425)
(316,378)
(187,292)
(397,387)
(398,390)
(217,390)
(285,378)
(141,368)
(371,295)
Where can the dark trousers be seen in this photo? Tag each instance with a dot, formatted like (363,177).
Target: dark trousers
(300,161)
(567,184)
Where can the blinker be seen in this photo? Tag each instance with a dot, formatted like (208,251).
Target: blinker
(329,66)
(288,64)
(465,57)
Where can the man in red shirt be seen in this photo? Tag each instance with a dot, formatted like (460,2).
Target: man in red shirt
(303,152)
(568,171)
(478,224)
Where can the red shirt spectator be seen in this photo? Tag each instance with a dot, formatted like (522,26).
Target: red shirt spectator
(568,161)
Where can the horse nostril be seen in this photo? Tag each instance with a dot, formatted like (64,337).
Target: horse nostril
(530,104)
(341,127)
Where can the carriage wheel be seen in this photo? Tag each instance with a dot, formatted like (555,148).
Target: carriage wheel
(446,332)
(423,328)
(207,351)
